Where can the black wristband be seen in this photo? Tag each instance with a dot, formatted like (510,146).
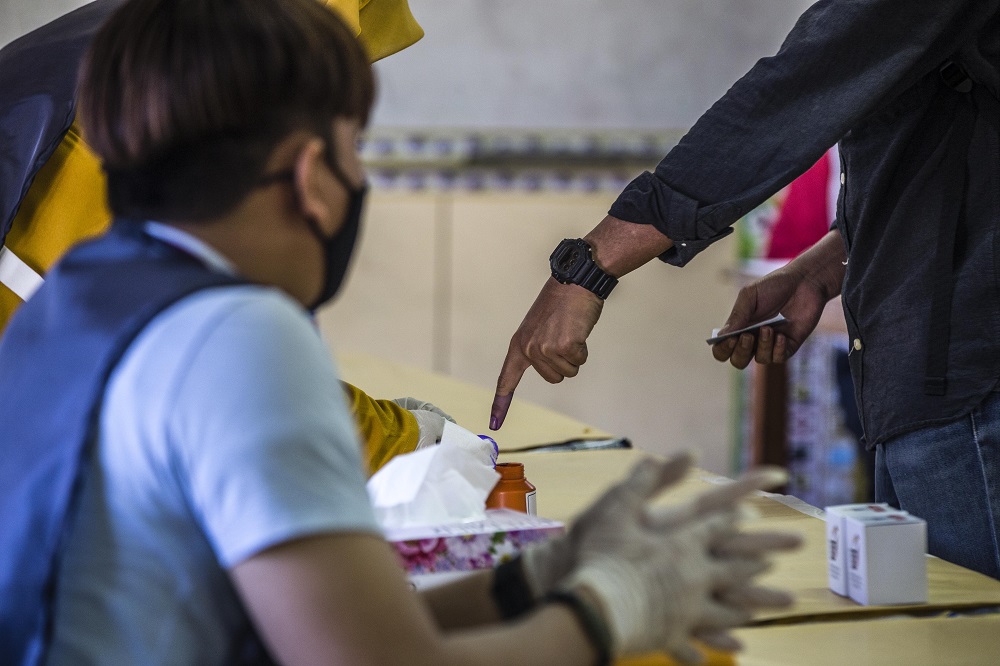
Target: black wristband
(511,591)
(591,621)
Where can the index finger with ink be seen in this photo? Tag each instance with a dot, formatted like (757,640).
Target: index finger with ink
(511,373)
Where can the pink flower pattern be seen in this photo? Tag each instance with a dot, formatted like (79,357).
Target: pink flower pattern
(466,552)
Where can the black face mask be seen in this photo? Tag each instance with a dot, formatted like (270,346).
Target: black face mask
(338,248)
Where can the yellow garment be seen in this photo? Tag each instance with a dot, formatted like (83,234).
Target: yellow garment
(385,427)
(384,26)
(64,205)
(68,192)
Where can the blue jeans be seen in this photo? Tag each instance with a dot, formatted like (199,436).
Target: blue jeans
(949,475)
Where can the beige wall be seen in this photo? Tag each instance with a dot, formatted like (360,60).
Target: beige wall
(441,281)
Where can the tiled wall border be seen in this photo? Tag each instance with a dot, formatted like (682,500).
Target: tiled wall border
(511,160)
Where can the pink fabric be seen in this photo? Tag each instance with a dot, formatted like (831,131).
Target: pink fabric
(804,217)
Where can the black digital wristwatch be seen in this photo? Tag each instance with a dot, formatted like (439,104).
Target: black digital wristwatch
(572,262)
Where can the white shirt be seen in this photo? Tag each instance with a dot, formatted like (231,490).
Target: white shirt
(224,431)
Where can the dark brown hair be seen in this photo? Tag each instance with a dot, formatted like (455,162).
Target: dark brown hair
(184,100)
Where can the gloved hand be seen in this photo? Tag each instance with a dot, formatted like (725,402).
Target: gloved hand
(431,426)
(414,404)
(662,577)
(545,563)
(430,420)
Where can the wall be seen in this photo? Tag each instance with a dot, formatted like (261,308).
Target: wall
(578,63)
(20,16)
(558,63)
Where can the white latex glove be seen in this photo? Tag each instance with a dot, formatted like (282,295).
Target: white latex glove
(548,562)
(430,427)
(430,420)
(662,577)
(434,425)
(413,404)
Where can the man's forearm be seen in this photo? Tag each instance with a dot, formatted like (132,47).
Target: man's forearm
(823,264)
(620,247)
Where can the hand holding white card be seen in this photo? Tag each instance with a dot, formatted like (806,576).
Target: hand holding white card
(716,338)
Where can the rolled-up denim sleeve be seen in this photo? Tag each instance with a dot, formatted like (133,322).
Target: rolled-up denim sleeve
(842,61)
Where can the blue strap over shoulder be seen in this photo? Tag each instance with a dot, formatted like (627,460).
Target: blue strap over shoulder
(55,361)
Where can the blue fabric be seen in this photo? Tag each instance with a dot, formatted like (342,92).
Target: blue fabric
(223,432)
(69,337)
(949,475)
(37,85)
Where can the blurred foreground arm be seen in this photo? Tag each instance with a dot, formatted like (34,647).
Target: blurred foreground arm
(651,579)
(657,577)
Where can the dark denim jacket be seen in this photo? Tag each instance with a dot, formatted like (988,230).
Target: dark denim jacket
(866,74)
(37,106)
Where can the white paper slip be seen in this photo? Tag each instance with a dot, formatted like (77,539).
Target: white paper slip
(716,338)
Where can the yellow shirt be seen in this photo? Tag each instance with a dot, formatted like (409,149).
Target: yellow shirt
(64,205)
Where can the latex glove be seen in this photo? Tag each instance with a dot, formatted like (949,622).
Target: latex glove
(434,426)
(663,577)
(414,404)
(430,426)
(552,338)
(546,563)
(800,291)
(430,420)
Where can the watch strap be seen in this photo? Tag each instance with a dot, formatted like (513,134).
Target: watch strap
(510,589)
(596,280)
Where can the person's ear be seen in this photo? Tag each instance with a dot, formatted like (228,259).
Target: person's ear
(312,181)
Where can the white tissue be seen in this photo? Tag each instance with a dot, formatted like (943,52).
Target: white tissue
(441,484)
(456,434)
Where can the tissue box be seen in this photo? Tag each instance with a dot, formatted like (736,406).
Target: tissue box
(836,528)
(433,554)
(886,561)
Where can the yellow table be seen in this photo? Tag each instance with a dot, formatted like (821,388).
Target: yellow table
(568,482)
(813,632)
(957,641)
(821,628)
(467,403)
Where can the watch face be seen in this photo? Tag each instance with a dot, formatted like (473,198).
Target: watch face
(569,259)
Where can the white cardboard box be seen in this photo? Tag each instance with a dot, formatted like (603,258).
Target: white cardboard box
(886,559)
(836,542)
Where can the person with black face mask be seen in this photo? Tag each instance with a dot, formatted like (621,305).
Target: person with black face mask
(182,481)
(53,199)
(338,247)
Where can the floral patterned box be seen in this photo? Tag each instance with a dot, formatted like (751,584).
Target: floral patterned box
(459,548)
